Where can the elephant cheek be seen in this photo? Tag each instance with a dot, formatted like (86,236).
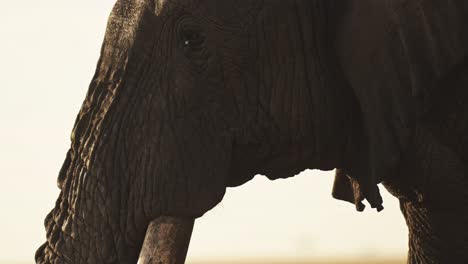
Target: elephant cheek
(182,171)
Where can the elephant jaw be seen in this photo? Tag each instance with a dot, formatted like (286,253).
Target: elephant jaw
(167,240)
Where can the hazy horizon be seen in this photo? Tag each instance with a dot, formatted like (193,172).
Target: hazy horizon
(49,51)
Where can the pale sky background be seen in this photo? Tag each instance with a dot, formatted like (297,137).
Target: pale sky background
(48,54)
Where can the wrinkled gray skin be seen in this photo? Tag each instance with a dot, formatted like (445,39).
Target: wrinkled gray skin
(190,97)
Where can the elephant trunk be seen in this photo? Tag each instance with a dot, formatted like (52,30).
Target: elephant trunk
(166,241)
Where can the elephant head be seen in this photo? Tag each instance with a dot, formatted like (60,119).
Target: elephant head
(191,97)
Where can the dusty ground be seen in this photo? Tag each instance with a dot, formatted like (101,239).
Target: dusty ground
(260,261)
(390,261)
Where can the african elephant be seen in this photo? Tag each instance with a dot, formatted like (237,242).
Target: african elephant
(191,97)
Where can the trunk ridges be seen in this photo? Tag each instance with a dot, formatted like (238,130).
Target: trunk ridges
(85,225)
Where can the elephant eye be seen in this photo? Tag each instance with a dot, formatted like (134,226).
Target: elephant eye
(192,38)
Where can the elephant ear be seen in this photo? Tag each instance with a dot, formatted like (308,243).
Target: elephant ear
(394,55)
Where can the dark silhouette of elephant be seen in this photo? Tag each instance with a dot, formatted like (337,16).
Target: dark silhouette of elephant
(190,97)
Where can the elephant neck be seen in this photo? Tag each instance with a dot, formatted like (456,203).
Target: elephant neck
(303,92)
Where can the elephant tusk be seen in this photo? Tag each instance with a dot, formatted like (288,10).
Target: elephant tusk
(167,240)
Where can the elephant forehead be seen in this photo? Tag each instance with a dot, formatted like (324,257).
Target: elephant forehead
(233,11)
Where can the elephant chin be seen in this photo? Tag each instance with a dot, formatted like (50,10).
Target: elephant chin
(167,240)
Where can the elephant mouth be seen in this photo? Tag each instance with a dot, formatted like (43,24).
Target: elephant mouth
(167,240)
